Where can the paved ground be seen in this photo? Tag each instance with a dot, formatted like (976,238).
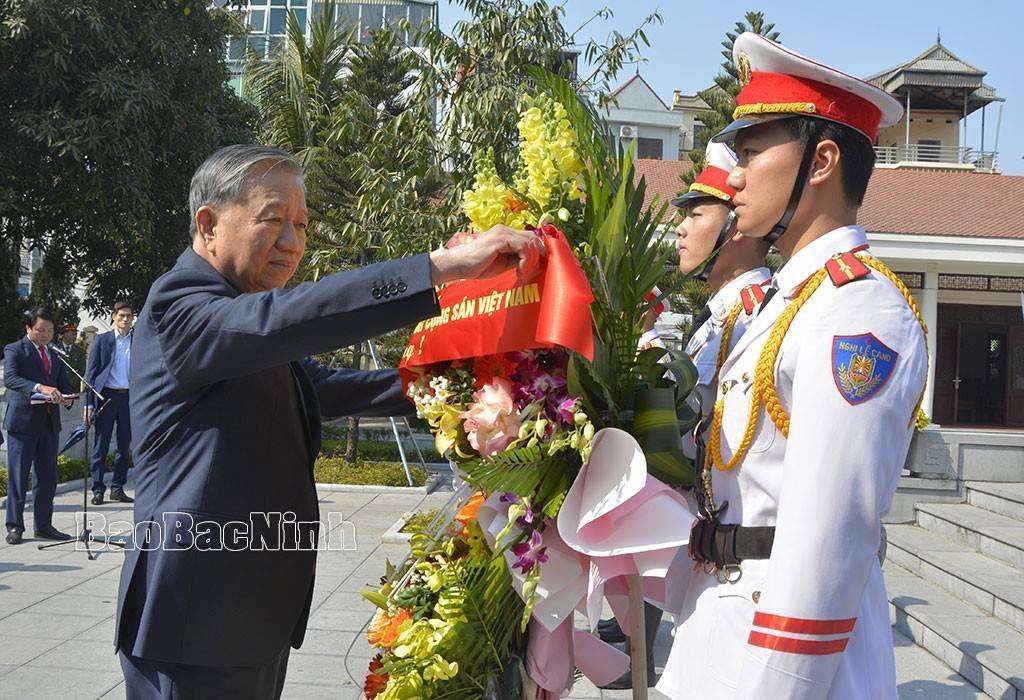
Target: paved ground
(56,615)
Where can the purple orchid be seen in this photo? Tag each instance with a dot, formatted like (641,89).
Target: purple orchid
(530,553)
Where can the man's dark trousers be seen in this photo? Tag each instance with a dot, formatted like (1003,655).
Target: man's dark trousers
(156,680)
(113,410)
(23,451)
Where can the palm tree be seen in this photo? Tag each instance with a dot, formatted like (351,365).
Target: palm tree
(721,96)
(300,87)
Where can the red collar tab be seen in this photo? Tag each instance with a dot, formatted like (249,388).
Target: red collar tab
(774,93)
(845,267)
(752,296)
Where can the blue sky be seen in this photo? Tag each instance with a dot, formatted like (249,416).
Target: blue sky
(860,38)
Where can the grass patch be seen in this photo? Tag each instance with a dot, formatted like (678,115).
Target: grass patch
(335,470)
(376,451)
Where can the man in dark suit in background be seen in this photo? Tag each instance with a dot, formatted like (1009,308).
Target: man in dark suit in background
(108,372)
(33,430)
(226,409)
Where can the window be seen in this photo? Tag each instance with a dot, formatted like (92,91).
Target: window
(649,148)
(419,16)
(278,21)
(394,15)
(373,18)
(347,15)
(700,136)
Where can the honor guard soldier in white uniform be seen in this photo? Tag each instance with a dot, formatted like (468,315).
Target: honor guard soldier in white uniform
(814,410)
(735,272)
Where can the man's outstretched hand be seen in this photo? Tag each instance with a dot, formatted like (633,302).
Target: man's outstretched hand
(487,255)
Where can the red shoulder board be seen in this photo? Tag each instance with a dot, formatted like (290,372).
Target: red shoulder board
(845,267)
(752,295)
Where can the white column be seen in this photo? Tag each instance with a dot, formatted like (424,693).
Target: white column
(930,311)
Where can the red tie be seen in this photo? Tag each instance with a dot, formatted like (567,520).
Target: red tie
(46,362)
(46,369)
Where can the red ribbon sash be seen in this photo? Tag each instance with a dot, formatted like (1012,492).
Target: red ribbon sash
(548,306)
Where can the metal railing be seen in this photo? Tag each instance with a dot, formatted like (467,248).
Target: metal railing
(924,153)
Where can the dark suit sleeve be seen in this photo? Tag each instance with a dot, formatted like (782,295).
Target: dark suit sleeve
(12,377)
(92,369)
(350,392)
(207,335)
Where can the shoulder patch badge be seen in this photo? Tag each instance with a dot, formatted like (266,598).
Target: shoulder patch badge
(861,366)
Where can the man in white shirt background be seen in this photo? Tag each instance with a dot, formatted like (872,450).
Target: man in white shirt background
(108,373)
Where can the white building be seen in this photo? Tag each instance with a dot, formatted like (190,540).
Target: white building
(638,113)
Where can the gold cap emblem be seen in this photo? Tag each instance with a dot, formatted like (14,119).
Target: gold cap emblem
(743,69)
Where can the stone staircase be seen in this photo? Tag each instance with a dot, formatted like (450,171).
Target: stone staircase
(956,586)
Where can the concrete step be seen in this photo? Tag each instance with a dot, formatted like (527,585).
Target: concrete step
(992,586)
(990,533)
(912,490)
(983,650)
(999,497)
(919,675)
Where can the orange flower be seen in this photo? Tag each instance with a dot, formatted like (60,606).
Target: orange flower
(514,205)
(384,629)
(375,682)
(468,512)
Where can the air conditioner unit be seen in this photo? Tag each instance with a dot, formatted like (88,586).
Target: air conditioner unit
(628,132)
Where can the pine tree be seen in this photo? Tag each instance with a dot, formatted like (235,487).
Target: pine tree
(721,97)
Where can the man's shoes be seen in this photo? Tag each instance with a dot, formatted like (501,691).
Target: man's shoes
(14,535)
(625,681)
(610,632)
(120,495)
(97,498)
(52,533)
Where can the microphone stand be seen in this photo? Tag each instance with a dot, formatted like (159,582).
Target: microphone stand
(85,535)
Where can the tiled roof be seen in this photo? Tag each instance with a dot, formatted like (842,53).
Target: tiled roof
(662,177)
(926,202)
(937,59)
(944,203)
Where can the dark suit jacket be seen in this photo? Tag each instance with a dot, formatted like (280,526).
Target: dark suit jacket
(23,369)
(101,361)
(225,412)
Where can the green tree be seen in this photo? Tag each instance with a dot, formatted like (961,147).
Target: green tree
(480,72)
(721,97)
(107,109)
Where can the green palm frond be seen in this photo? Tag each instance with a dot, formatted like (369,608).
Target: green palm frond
(528,472)
(489,637)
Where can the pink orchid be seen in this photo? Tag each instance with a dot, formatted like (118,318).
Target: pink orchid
(492,422)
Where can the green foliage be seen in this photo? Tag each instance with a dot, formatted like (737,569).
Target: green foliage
(482,70)
(721,97)
(624,255)
(334,470)
(108,109)
(378,451)
(3,481)
(420,520)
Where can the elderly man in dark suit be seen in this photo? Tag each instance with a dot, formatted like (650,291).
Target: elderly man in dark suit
(225,412)
(33,430)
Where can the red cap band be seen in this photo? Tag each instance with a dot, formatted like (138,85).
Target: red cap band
(778,93)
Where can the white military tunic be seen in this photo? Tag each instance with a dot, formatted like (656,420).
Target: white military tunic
(812,621)
(703,345)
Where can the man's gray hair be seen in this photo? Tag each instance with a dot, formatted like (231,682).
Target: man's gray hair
(227,174)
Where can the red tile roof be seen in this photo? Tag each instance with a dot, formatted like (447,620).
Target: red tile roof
(662,178)
(944,203)
(927,202)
